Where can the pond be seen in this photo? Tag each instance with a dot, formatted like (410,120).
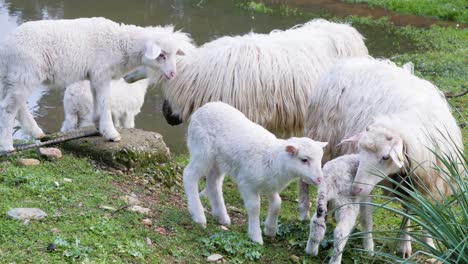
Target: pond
(203,19)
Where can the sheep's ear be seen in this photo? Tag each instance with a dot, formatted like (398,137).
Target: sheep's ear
(291,150)
(322,144)
(180,52)
(152,51)
(354,138)
(396,153)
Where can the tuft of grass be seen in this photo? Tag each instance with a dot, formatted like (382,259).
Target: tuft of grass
(256,7)
(454,10)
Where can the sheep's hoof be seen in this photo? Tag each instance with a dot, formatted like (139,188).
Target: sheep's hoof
(224,220)
(312,249)
(271,232)
(257,240)
(115,139)
(405,250)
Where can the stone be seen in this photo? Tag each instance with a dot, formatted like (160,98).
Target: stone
(130,200)
(148,241)
(147,222)
(57,184)
(137,149)
(214,258)
(26,213)
(224,228)
(28,162)
(106,207)
(55,230)
(67,180)
(139,209)
(50,153)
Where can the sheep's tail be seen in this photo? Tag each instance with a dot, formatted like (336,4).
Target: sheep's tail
(62,138)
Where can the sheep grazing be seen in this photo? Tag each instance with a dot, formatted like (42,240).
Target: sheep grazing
(268,77)
(125,103)
(338,177)
(61,52)
(396,118)
(221,140)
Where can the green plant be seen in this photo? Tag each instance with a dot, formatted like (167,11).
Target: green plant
(233,244)
(71,249)
(256,7)
(445,219)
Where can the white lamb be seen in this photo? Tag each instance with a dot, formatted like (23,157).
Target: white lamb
(125,103)
(396,119)
(61,52)
(221,140)
(338,178)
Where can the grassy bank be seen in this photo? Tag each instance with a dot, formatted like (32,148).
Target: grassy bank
(454,10)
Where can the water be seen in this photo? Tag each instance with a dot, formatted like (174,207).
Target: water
(204,19)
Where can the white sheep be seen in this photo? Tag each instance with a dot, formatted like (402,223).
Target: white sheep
(221,140)
(125,103)
(268,77)
(61,52)
(407,118)
(336,187)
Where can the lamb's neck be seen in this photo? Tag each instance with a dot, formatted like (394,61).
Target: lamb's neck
(132,45)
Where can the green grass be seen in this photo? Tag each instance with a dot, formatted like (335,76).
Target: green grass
(454,10)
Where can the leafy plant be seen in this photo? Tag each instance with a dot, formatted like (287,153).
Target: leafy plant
(256,7)
(71,249)
(234,245)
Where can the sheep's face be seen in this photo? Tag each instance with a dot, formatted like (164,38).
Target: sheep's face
(160,59)
(304,159)
(380,154)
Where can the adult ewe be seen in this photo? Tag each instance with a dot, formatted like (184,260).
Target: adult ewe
(396,118)
(61,52)
(78,104)
(268,77)
(221,140)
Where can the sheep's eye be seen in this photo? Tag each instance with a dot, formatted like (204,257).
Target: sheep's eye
(162,56)
(304,160)
(385,157)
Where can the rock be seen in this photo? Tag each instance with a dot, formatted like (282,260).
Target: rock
(57,184)
(139,209)
(28,162)
(147,222)
(50,153)
(55,230)
(130,200)
(51,247)
(295,258)
(148,241)
(137,149)
(67,180)
(26,213)
(224,228)
(214,258)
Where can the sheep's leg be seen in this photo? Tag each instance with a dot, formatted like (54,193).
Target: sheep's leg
(318,225)
(271,222)
(214,187)
(303,198)
(428,239)
(86,120)
(9,107)
(101,96)
(70,122)
(28,124)
(128,120)
(192,174)
(252,205)
(405,240)
(366,222)
(345,220)
(116,120)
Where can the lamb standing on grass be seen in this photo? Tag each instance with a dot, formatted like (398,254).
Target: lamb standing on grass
(125,103)
(407,118)
(61,52)
(221,140)
(338,178)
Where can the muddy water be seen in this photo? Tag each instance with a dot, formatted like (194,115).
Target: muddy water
(204,19)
